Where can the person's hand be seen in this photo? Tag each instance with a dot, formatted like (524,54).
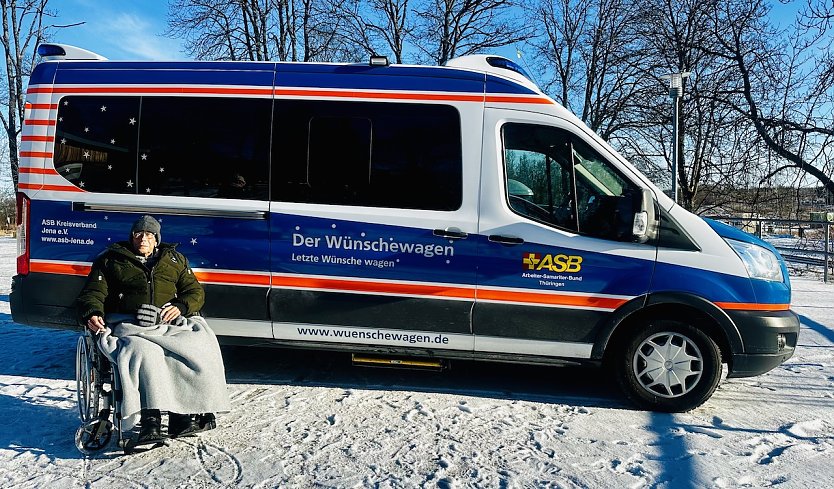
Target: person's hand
(96,324)
(148,315)
(169,313)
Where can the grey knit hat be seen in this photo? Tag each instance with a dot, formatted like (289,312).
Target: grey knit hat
(149,224)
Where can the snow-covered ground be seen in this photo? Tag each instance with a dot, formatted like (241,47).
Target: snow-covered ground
(305,419)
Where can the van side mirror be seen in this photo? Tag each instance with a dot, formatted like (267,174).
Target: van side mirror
(644,225)
(630,217)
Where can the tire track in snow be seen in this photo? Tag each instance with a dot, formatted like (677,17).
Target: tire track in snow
(519,449)
(222,466)
(89,478)
(767,449)
(113,480)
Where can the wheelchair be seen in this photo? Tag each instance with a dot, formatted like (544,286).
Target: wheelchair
(99,397)
(98,393)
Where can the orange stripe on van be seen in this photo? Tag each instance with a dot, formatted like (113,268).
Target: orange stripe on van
(338,285)
(233,278)
(35,154)
(745,306)
(38,122)
(518,100)
(41,106)
(45,139)
(460,97)
(156,89)
(62,188)
(288,92)
(56,188)
(38,171)
(550,299)
(84,270)
(60,268)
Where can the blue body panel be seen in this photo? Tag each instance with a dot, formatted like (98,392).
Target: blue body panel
(599,273)
(499,85)
(164,77)
(59,233)
(291,75)
(727,231)
(442,260)
(220,242)
(372,80)
(765,291)
(392,70)
(714,286)
(167,65)
(43,73)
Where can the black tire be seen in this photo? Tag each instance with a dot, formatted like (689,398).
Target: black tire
(88,389)
(669,366)
(93,436)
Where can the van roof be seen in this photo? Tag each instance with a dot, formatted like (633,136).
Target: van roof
(465,74)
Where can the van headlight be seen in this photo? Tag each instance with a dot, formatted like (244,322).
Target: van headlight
(759,261)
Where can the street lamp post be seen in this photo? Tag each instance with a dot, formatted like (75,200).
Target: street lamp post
(675,93)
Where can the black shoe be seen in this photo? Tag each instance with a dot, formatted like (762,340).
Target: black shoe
(183,425)
(207,422)
(150,427)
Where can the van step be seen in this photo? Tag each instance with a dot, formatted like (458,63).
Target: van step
(399,362)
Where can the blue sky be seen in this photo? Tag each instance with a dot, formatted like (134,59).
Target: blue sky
(128,29)
(116,29)
(132,29)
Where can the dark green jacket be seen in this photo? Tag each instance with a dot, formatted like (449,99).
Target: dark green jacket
(120,283)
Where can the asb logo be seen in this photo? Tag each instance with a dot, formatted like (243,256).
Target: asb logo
(554,263)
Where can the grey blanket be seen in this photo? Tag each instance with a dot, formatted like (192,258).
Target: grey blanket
(170,367)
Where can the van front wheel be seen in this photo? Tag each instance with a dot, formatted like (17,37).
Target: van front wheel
(669,366)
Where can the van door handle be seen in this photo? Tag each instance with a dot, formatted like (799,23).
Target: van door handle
(451,233)
(505,240)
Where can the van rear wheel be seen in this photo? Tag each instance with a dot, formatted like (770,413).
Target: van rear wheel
(668,366)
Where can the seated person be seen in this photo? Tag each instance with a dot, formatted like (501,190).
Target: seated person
(235,188)
(140,297)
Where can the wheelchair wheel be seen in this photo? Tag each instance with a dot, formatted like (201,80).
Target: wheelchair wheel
(87,383)
(93,436)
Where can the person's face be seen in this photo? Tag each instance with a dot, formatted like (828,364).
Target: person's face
(144,242)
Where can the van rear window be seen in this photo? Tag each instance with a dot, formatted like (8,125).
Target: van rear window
(95,143)
(183,146)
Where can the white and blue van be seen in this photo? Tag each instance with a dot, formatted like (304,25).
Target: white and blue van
(451,212)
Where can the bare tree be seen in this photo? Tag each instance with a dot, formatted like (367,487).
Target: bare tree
(674,38)
(781,87)
(7,206)
(608,59)
(209,28)
(259,30)
(450,28)
(378,26)
(600,70)
(23,30)
(564,23)
(255,17)
(818,17)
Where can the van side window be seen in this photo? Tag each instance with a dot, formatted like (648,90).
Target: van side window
(95,143)
(539,174)
(205,147)
(196,146)
(367,154)
(604,197)
(339,157)
(557,179)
